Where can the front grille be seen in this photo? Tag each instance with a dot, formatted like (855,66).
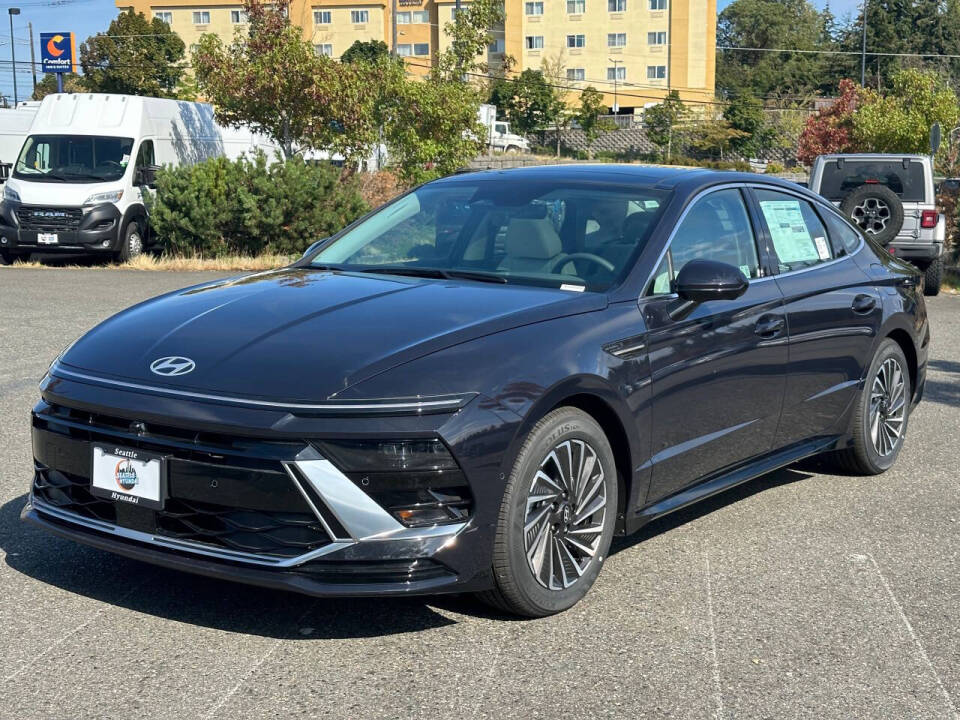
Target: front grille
(49,219)
(224,493)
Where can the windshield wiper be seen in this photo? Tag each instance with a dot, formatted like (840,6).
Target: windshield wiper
(437,273)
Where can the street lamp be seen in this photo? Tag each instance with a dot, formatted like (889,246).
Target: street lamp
(616,100)
(13,53)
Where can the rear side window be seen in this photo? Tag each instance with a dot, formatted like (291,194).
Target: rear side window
(798,236)
(843,237)
(716,228)
(839,178)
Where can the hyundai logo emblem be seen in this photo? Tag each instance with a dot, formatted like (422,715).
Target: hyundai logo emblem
(172,366)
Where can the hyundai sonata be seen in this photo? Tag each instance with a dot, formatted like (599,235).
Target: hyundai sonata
(477,386)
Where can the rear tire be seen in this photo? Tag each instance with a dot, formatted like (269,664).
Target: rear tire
(879,422)
(933,277)
(557,517)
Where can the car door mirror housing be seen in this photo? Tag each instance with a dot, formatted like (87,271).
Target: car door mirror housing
(146,175)
(705,280)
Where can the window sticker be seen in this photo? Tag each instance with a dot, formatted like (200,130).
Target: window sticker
(822,249)
(789,232)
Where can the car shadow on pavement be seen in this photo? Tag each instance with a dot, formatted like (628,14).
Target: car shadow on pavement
(207,602)
(946,393)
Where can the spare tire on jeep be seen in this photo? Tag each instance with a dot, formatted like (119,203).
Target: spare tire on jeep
(876,210)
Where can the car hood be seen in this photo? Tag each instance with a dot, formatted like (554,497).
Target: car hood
(299,334)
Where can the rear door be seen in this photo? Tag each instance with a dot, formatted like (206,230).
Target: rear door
(718,375)
(833,312)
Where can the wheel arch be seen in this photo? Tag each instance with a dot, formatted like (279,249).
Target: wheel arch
(138,212)
(903,339)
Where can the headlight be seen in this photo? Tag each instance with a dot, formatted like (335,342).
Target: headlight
(417,481)
(104,197)
(10,194)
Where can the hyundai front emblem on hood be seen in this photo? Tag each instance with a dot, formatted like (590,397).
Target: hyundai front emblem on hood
(173,365)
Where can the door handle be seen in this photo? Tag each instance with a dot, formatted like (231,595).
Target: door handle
(862,304)
(770,326)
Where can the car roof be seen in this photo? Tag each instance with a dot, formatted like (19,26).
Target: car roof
(874,156)
(683,180)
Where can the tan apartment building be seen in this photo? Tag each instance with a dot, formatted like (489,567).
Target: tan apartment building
(635,51)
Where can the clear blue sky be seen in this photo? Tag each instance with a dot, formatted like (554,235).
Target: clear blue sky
(86,17)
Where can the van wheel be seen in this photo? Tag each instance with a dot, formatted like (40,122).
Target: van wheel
(932,277)
(880,417)
(132,243)
(557,517)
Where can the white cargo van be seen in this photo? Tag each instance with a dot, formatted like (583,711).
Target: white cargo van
(77,183)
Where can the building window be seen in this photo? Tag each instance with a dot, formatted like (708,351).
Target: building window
(658,4)
(360,17)
(576,74)
(405,50)
(576,7)
(453,13)
(576,41)
(403,18)
(321,17)
(421,49)
(617,73)
(167,17)
(656,72)
(201,17)
(420,16)
(657,38)
(616,39)
(534,42)
(323,50)
(238,17)
(498,46)
(533,8)
(616,5)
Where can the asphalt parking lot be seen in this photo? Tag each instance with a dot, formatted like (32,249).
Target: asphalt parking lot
(799,594)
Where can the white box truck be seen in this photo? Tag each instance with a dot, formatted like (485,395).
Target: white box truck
(77,184)
(499,138)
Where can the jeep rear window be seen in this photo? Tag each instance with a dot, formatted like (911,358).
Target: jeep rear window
(841,178)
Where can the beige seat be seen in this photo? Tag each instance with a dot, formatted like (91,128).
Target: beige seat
(531,245)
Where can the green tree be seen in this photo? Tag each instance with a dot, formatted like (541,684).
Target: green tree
(135,56)
(662,122)
(469,34)
(900,121)
(72,83)
(589,116)
(715,134)
(745,115)
(527,101)
(366,51)
(559,114)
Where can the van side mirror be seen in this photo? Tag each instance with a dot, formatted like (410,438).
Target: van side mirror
(701,281)
(146,175)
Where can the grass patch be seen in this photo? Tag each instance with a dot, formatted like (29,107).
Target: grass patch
(169,263)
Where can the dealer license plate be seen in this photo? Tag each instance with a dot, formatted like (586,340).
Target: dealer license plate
(128,476)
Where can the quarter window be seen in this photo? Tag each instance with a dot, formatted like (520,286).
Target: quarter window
(799,238)
(716,228)
(843,237)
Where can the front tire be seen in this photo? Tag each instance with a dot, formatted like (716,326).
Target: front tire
(132,244)
(557,517)
(879,422)
(933,277)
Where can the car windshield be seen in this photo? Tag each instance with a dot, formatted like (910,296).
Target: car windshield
(73,158)
(580,237)
(840,178)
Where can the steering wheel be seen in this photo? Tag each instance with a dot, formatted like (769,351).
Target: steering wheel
(596,259)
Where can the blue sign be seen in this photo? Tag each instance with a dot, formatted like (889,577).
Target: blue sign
(58,52)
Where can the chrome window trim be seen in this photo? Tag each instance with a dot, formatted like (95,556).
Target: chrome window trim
(740,185)
(388,404)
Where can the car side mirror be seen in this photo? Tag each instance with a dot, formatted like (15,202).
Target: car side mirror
(701,281)
(146,175)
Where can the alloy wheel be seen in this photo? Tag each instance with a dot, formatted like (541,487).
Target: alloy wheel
(888,405)
(871,215)
(565,512)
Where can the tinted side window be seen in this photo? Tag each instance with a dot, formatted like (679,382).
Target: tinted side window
(798,236)
(716,228)
(145,155)
(844,238)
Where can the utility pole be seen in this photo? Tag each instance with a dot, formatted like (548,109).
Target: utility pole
(33,58)
(13,53)
(616,77)
(393,23)
(863,48)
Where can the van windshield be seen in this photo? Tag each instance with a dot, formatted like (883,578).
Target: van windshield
(73,158)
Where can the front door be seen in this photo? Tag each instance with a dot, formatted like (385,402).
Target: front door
(718,375)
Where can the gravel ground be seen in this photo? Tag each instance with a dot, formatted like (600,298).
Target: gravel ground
(799,594)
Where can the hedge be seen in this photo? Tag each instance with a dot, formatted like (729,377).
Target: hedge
(251,206)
